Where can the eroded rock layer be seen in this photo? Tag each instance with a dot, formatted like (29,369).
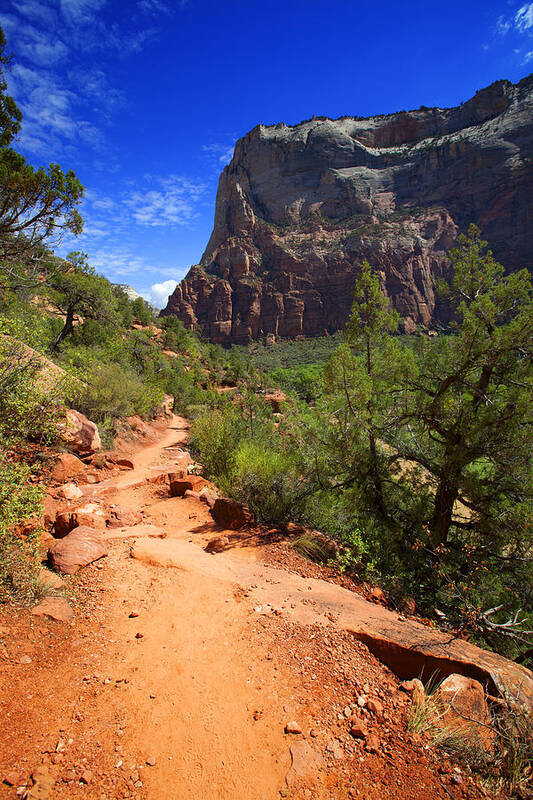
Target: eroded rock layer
(299,207)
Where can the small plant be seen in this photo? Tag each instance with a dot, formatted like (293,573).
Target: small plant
(312,547)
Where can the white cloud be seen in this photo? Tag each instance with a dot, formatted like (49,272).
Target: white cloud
(523,18)
(80,11)
(528,57)
(222,152)
(159,293)
(172,202)
(503,26)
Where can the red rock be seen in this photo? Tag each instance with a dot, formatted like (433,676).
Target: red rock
(377,594)
(208,497)
(124,463)
(151,761)
(11,778)
(304,760)
(89,515)
(408,606)
(292,727)
(359,729)
(372,743)
(50,580)
(122,517)
(230,514)
(79,433)
(217,545)
(375,707)
(53,607)
(80,547)
(415,688)
(67,466)
(465,710)
(69,491)
(193,483)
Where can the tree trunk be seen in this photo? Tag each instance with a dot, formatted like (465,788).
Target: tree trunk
(67,328)
(445,498)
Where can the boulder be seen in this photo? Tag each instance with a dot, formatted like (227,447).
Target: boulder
(122,517)
(67,466)
(193,483)
(463,710)
(81,547)
(69,491)
(90,515)
(124,463)
(53,607)
(80,434)
(50,580)
(207,496)
(230,514)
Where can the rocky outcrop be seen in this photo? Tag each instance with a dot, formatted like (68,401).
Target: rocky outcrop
(299,207)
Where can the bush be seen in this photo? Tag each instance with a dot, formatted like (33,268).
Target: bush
(19,560)
(113,392)
(214,437)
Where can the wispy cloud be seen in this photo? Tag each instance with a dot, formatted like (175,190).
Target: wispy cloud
(172,201)
(521,21)
(223,153)
(523,18)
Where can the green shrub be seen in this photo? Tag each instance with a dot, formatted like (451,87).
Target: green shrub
(264,479)
(214,437)
(113,392)
(19,560)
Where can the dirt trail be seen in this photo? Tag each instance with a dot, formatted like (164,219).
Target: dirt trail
(178,679)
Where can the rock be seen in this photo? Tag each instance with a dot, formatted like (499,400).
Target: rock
(70,491)
(50,580)
(193,483)
(416,689)
(133,614)
(80,434)
(89,515)
(86,777)
(25,660)
(122,517)
(139,635)
(151,761)
(359,729)
(43,783)
(230,514)
(53,607)
(304,760)
(300,206)
(80,547)
(375,707)
(292,727)
(292,529)
(11,778)
(124,463)
(372,743)
(208,497)
(465,710)
(377,594)
(275,400)
(67,466)
(217,545)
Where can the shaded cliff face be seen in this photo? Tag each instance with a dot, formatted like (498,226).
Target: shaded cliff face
(298,209)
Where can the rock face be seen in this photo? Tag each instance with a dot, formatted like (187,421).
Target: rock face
(299,207)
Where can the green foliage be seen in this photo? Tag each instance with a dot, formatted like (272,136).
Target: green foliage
(214,436)
(18,557)
(113,392)
(305,381)
(141,312)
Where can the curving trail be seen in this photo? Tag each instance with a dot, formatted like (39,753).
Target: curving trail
(179,674)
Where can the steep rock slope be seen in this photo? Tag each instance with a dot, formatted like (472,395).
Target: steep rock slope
(300,206)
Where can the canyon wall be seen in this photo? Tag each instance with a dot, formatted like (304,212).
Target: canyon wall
(299,207)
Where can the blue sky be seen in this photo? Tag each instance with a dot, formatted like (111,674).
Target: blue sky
(144,99)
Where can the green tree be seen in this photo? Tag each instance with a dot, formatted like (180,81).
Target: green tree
(74,289)
(37,206)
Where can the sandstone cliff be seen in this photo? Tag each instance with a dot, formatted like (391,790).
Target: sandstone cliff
(300,206)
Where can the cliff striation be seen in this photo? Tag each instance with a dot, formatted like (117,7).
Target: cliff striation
(299,207)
